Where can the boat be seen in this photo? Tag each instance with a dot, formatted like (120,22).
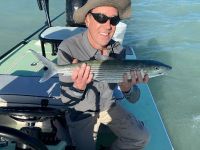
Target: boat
(30,111)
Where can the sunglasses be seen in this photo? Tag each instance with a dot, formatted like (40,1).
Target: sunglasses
(101,18)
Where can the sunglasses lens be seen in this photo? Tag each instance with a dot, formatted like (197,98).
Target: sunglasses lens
(114,20)
(101,18)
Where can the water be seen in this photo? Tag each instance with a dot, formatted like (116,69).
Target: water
(20,18)
(167,31)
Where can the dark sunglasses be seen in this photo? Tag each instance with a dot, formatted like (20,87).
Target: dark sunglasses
(101,18)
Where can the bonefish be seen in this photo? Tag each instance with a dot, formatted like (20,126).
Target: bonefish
(110,71)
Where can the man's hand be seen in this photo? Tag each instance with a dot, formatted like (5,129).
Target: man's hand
(81,76)
(136,77)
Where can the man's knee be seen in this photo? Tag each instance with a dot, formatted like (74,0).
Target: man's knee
(138,139)
(132,141)
(143,138)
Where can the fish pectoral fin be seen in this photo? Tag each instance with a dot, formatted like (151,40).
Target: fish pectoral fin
(67,76)
(98,80)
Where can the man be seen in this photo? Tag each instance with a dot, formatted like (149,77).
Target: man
(91,102)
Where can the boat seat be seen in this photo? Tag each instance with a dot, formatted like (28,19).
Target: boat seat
(55,35)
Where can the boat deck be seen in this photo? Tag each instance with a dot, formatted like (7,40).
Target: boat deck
(21,62)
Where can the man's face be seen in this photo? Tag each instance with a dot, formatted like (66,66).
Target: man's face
(99,34)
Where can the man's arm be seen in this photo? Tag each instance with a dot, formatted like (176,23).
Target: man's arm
(73,87)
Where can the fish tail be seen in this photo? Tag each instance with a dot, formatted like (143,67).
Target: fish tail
(51,67)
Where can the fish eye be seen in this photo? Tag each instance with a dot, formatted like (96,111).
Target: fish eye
(156,68)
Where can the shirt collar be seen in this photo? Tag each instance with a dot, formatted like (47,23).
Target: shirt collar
(91,51)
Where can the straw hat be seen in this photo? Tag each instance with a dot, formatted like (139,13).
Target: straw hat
(123,7)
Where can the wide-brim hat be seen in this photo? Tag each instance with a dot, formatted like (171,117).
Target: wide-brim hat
(123,7)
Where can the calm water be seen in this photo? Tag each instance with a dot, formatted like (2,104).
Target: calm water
(165,30)
(169,31)
(20,18)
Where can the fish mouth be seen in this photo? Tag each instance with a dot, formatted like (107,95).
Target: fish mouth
(169,67)
(159,74)
(163,73)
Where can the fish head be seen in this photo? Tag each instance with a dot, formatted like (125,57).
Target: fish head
(157,69)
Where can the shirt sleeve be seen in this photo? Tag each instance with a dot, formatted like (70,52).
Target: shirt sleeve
(68,92)
(133,95)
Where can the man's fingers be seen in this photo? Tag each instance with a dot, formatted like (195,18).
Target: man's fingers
(146,78)
(133,77)
(75,73)
(139,77)
(89,78)
(81,71)
(86,73)
(125,78)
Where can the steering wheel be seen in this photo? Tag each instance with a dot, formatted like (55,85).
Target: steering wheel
(26,114)
(30,113)
(16,135)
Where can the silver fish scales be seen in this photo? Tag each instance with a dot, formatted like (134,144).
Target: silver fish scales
(110,71)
